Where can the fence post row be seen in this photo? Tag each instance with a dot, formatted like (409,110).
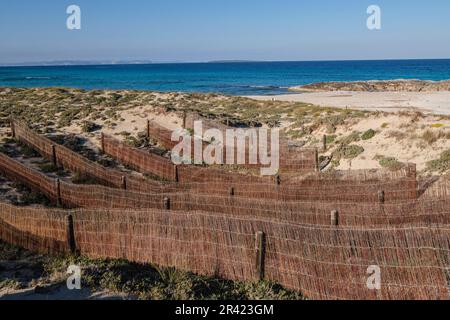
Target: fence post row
(260,248)
(70,234)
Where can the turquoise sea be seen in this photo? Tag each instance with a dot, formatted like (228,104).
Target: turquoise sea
(234,78)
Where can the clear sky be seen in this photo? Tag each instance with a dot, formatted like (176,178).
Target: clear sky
(202,30)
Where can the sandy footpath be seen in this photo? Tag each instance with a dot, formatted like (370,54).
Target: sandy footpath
(427,102)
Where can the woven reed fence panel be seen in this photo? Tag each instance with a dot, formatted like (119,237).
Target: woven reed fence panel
(321,262)
(39,230)
(297,159)
(431,211)
(74,162)
(161,134)
(440,188)
(315,187)
(143,161)
(32,139)
(329,263)
(67,158)
(77,163)
(93,196)
(35,180)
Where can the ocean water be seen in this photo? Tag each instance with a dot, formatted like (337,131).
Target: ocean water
(233,78)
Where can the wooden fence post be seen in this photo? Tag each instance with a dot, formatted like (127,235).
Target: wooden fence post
(317,161)
(334,218)
(54,155)
(58,193)
(70,234)
(260,249)
(103,142)
(176,173)
(232,191)
(166,203)
(124,183)
(324,142)
(148,130)
(381,196)
(13,128)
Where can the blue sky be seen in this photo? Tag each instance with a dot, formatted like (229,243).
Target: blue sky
(202,30)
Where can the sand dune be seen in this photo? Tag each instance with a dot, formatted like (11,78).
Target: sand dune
(426,102)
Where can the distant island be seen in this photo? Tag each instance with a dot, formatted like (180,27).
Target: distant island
(234,61)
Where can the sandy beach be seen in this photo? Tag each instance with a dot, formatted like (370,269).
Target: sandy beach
(426,102)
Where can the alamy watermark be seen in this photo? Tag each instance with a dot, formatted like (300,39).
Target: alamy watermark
(74,20)
(374,19)
(74,280)
(259,151)
(374,278)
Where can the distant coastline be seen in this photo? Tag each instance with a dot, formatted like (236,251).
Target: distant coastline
(144,62)
(75,63)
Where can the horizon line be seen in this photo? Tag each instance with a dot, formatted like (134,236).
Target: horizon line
(81,63)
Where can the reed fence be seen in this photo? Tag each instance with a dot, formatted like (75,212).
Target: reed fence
(72,195)
(321,262)
(293,159)
(315,233)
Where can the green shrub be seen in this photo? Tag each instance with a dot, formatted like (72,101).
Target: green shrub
(369,134)
(353,137)
(390,163)
(352,151)
(442,164)
(330,139)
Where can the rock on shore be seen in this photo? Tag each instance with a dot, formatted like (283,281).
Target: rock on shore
(377,86)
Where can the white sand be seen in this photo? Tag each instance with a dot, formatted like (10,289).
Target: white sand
(427,102)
